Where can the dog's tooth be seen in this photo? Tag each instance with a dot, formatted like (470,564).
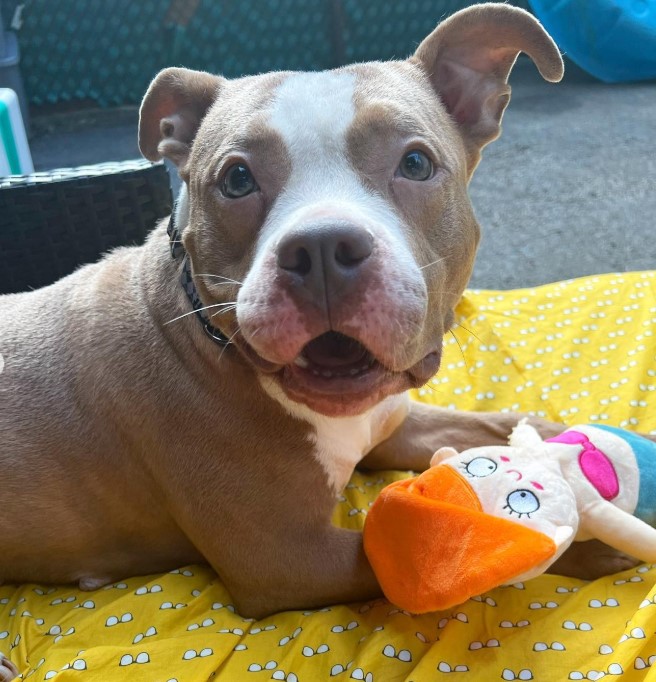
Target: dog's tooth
(354,371)
(327,373)
(315,372)
(301,362)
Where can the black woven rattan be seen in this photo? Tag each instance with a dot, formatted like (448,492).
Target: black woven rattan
(50,223)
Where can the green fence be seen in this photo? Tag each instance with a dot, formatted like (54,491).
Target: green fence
(108,50)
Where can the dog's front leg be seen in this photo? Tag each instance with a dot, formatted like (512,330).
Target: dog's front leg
(427,428)
(309,568)
(267,528)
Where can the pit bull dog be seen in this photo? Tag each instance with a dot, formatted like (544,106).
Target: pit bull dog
(205,397)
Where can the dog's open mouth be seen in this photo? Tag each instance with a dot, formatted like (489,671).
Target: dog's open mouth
(333,355)
(334,368)
(337,375)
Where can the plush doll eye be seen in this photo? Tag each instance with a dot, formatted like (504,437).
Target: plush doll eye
(522,502)
(481,467)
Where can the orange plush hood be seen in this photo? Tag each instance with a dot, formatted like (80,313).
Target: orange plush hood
(431,545)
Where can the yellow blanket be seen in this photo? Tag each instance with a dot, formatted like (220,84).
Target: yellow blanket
(579,351)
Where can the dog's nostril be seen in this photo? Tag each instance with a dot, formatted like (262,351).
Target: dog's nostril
(303,262)
(295,259)
(353,251)
(331,251)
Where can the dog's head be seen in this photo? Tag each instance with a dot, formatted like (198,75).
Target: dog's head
(331,208)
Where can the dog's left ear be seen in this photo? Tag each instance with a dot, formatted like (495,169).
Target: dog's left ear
(172,110)
(469,57)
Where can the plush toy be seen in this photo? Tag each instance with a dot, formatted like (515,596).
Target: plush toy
(497,515)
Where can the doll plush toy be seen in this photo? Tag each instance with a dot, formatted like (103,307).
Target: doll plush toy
(497,515)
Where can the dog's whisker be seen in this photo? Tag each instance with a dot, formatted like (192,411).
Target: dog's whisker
(469,331)
(462,352)
(225,310)
(191,312)
(227,279)
(228,343)
(207,307)
(435,262)
(218,284)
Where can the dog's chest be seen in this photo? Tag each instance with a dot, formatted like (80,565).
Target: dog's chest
(339,443)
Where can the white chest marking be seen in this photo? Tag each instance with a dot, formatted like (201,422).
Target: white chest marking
(339,442)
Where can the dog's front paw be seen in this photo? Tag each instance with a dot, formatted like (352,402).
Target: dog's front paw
(8,671)
(591,560)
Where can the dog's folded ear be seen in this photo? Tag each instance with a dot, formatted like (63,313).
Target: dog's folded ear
(171,111)
(469,57)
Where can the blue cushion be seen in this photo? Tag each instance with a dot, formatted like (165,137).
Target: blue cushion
(614,40)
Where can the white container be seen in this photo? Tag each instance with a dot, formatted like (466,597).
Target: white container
(15,157)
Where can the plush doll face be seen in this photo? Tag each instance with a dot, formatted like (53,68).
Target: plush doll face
(519,485)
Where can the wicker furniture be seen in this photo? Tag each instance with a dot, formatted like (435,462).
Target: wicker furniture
(50,223)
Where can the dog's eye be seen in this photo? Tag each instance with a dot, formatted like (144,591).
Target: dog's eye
(238,182)
(415,165)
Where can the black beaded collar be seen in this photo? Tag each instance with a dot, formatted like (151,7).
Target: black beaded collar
(178,250)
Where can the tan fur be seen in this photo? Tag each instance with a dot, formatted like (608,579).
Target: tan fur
(130,445)
(445,233)
(8,670)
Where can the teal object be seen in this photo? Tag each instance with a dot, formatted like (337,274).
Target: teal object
(7,139)
(15,157)
(645,454)
(613,40)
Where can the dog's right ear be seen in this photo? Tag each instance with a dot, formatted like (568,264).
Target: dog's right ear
(171,111)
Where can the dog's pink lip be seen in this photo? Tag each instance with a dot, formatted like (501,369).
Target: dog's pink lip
(350,395)
(255,358)
(426,368)
(342,393)
(341,396)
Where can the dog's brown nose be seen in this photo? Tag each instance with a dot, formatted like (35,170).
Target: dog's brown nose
(326,258)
